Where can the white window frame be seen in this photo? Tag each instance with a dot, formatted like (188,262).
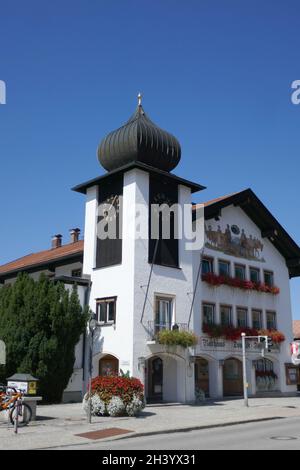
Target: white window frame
(164,298)
(209,304)
(107,301)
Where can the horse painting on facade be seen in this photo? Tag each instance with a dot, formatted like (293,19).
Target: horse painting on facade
(234,241)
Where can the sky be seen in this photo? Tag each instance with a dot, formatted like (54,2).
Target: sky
(215,73)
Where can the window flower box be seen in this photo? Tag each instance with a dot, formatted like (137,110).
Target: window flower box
(216,281)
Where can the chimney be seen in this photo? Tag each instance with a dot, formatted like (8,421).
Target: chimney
(56,241)
(74,232)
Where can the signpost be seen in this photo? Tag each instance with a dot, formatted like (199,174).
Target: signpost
(263,342)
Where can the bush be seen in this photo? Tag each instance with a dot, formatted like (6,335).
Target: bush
(115,396)
(185,339)
(98,407)
(41,323)
(116,407)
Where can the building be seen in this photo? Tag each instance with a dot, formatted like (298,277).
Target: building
(236,275)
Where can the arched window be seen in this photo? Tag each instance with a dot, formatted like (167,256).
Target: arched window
(264,365)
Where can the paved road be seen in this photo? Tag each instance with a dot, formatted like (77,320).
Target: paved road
(283,434)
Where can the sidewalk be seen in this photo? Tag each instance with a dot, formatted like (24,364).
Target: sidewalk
(58,425)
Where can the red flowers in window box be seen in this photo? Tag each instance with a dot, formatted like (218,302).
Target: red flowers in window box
(216,281)
(231,333)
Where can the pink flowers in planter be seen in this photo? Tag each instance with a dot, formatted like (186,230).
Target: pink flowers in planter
(216,281)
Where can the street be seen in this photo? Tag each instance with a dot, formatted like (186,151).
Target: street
(281,434)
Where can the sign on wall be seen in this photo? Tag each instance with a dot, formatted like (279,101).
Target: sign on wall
(222,345)
(234,241)
(2,353)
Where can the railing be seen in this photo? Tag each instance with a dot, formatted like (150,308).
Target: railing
(154,328)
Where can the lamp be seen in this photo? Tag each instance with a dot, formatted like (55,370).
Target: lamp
(93,323)
(141,362)
(192,359)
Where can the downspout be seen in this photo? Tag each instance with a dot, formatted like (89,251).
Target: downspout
(195,287)
(86,303)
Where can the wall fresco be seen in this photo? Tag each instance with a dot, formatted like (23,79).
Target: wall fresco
(234,241)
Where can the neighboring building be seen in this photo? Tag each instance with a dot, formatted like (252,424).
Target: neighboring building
(137,286)
(296,329)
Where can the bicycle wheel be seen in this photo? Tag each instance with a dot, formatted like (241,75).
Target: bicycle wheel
(25,414)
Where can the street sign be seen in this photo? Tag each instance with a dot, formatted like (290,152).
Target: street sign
(2,353)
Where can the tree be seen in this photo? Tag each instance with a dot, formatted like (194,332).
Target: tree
(41,322)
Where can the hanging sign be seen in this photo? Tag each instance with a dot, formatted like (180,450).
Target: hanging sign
(2,353)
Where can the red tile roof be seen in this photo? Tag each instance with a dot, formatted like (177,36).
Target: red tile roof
(296,329)
(42,258)
(213,201)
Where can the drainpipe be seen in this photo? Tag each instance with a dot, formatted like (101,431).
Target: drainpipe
(86,303)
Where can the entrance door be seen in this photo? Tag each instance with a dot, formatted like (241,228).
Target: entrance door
(202,375)
(232,377)
(156,379)
(108,365)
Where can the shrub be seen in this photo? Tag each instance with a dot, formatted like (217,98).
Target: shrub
(185,339)
(41,323)
(135,407)
(115,396)
(98,407)
(126,388)
(115,407)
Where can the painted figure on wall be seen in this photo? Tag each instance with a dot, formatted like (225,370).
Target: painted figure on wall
(234,241)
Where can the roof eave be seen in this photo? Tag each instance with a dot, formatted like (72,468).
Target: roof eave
(82,188)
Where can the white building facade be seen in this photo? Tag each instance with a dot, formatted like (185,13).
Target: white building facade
(238,277)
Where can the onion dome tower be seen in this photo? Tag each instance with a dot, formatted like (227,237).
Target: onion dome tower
(139,141)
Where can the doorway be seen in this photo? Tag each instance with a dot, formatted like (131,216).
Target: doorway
(232,378)
(202,375)
(155,379)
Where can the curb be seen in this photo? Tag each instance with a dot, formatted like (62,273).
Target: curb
(194,428)
(165,431)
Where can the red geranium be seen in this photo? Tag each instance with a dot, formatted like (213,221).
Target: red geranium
(215,280)
(124,387)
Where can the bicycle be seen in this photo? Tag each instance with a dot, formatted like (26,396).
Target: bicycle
(12,400)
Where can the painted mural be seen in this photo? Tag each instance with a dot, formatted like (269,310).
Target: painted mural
(234,241)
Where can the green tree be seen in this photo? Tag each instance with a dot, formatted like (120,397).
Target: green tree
(41,323)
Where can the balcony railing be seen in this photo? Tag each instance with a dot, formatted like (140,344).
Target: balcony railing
(154,328)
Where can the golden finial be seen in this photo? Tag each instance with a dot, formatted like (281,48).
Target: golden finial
(140,99)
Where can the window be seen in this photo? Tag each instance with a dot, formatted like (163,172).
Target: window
(241,317)
(256,319)
(269,278)
(207,265)
(225,313)
(224,268)
(208,314)
(254,275)
(163,313)
(106,310)
(240,272)
(77,273)
(271,320)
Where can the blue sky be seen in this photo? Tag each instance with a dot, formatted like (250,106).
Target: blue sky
(216,73)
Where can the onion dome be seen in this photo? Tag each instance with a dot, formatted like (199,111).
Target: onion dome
(140,141)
